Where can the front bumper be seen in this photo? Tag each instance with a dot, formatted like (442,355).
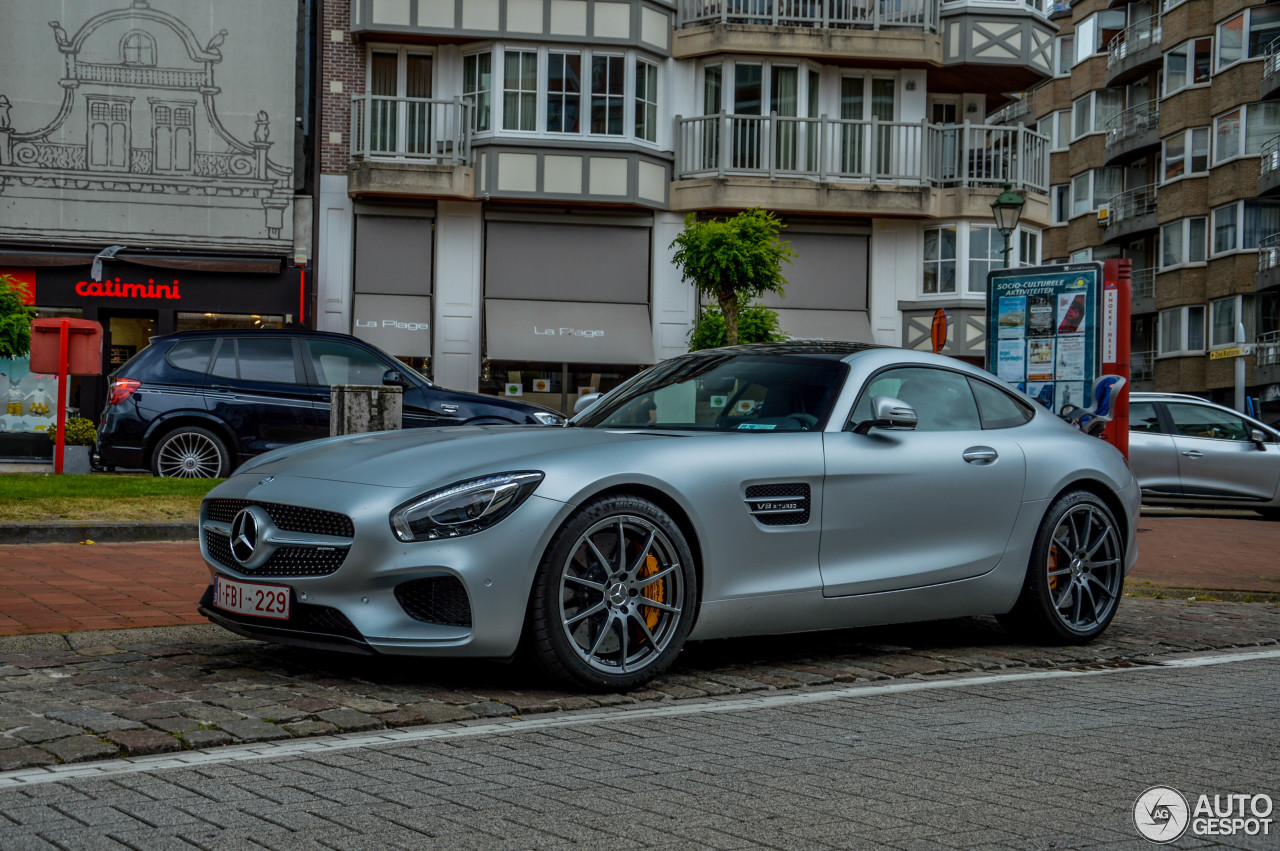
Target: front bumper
(496,569)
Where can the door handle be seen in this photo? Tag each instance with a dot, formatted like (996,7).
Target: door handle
(980,455)
(221,388)
(1193,453)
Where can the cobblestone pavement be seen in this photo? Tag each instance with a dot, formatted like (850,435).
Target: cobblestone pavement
(97,695)
(1016,762)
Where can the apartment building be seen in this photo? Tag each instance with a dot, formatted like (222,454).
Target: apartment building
(1162,119)
(502,179)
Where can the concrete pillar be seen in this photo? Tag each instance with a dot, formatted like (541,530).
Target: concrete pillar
(358,408)
(458,294)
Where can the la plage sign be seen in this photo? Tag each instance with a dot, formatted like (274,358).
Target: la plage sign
(118,289)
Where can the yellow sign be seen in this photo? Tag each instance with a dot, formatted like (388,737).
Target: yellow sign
(1227,353)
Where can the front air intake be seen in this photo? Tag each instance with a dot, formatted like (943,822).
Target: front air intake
(436,599)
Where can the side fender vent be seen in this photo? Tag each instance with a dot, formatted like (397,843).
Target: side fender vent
(779,505)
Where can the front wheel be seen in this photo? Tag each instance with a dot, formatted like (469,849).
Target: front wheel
(614,597)
(1075,576)
(190,452)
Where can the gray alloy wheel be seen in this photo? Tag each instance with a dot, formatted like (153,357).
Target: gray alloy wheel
(615,594)
(190,452)
(1076,574)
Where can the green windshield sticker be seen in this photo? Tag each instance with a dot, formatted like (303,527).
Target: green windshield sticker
(756,427)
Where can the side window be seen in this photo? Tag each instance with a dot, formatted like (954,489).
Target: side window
(343,363)
(224,366)
(191,355)
(942,399)
(267,359)
(1203,421)
(1142,417)
(997,408)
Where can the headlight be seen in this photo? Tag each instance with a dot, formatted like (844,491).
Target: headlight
(548,418)
(463,509)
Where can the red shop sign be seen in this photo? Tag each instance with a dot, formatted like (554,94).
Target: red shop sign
(117,289)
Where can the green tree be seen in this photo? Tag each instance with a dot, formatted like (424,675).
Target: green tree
(733,260)
(756,324)
(15,318)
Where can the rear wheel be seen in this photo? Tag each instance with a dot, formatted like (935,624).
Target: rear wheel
(614,597)
(190,452)
(1075,576)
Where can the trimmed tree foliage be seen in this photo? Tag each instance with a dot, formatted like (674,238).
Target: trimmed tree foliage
(756,324)
(15,318)
(733,260)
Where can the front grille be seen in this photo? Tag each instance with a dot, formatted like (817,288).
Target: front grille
(779,505)
(285,561)
(303,617)
(437,599)
(290,518)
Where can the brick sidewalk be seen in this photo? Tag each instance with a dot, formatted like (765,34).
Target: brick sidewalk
(73,587)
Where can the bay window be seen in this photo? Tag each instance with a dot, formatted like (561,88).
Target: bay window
(520,90)
(1182,330)
(1092,112)
(1184,241)
(608,86)
(1186,153)
(1094,188)
(477,85)
(1224,315)
(564,92)
(958,257)
(1187,65)
(1095,32)
(940,260)
(646,101)
(1247,34)
(1240,226)
(1244,130)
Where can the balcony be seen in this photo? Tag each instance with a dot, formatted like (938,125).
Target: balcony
(1142,367)
(1132,212)
(1270,86)
(1269,168)
(1020,111)
(410,147)
(1134,51)
(1268,262)
(1142,290)
(1267,368)
(1133,132)
(868,167)
(904,31)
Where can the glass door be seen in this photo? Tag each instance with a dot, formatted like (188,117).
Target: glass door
(883,108)
(748,95)
(944,115)
(397,123)
(784,99)
(852,137)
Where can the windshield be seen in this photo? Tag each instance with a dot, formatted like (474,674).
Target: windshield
(725,393)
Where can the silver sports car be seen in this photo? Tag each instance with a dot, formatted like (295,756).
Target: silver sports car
(739,491)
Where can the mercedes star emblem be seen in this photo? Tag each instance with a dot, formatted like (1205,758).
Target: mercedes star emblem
(244,535)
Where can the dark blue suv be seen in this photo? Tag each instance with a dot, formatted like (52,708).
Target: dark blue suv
(199,403)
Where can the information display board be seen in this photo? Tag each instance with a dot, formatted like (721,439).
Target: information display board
(1042,331)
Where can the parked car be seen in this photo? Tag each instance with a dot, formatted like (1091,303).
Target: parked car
(1188,451)
(756,489)
(200,403)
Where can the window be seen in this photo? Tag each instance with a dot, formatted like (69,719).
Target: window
(564,92)
(477,84)
(138,48)
(1223,316)
(997,408)
(939,260)
(1177,162)
(647,100)
(1057,126)
(942,399)
(1028,248)
(343,363)
(607,88)
(1092,112)
(1240,226)
(267,359)
(1247,35)
(986,252)
(1261,121)
(1190,420)
(1083,120)
(192,355)
(1061,199)
(1142,417)
(1184,241)
(1064,58)
(1182,330)
(520,90)
(1187,65)
(1093,189)
(712,97)
(1095,32)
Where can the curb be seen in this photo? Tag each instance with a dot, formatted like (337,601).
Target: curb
(56,532)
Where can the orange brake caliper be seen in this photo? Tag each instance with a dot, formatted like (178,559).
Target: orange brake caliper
(655,591)
(1053,566)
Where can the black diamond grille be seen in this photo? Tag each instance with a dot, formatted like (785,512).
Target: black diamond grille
(286,561)
(799,490)
(303,617)
(290,518)
(437,599)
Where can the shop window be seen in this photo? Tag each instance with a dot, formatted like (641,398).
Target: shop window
(554,385)
(30,398)
(184,321)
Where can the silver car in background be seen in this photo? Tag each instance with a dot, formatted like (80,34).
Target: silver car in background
(742,491)
(1188,451)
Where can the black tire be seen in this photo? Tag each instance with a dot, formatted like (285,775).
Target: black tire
(190,452)
(1071,603)
(585,626)
(1269,513)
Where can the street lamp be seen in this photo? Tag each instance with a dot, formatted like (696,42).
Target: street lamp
(1007,209)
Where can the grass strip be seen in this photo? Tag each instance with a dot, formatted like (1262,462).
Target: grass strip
(46,497)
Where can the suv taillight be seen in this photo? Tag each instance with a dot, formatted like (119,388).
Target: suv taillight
(121,389)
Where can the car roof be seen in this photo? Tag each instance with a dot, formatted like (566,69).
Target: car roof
(254,332)
(1155,394)
(830,349)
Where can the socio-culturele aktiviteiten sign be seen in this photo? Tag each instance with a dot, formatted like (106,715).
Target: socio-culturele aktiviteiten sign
(1043,336)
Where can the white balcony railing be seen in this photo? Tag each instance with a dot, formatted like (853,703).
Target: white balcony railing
(820,14)
(861,151)
(1269,252)
(1268,349)
(1271,65)
(1134,121)
(1131,40)
(1132,203)
(1013,110)
(1142,283)
(1270,156)
(1142,366)
(417,129)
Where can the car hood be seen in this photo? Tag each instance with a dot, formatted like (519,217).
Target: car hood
(427,457)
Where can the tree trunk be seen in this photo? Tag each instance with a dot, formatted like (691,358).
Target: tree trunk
(729,309)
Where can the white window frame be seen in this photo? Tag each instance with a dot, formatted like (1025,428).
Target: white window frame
(645,102)
(474,56)
(628,89)
(1060,203)
(1241,213)
(1242,146)
(1237,312)
(1090,25)
(1097,124)
(539,89)
(1024,235)
(1247,16)
(1188,156)
(965,287)
(1094,202)
(1184,228)
(547,95)
(1189,48)
(1051,126)
(1061,48)
(1181,346)
(804,68)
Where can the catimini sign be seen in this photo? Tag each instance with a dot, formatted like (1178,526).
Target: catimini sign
(118,289)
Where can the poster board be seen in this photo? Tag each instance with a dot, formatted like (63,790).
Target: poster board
(1043,331)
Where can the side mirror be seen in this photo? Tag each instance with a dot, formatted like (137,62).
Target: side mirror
(1259,438)
(394,378)
(585,402)
(890,414)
